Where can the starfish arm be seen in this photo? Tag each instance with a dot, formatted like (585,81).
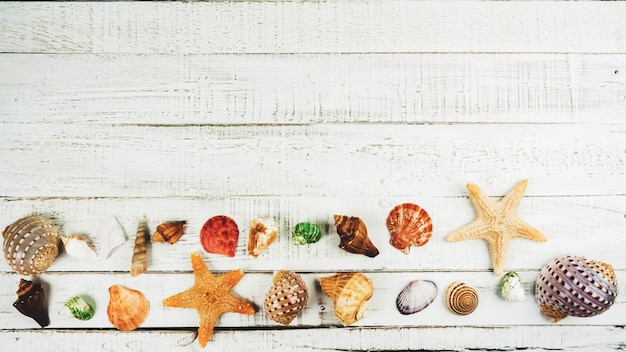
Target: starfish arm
(200,269)
(235,304)
(498,247)
(527,232)
(472,231)
(510,202)
(482,204)
(181,300)
(230,279)
(205,329)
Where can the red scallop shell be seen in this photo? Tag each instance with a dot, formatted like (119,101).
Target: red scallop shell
(409,225)
(219,235)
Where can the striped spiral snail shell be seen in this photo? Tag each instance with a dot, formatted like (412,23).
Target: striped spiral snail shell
(31,245)
(461,299)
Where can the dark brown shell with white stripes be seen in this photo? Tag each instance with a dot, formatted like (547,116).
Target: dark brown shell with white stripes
(31,245)
(286,298)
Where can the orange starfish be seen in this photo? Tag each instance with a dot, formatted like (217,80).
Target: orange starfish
(210,296)
(497,223)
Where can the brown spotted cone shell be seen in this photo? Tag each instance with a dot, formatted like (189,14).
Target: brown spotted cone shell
(31,245)
(409,225)
(127,308)
(286,298)
(350,293)
(572,285)
(353,235)
(461,299)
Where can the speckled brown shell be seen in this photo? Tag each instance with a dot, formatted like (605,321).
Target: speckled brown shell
(261,235)
(169,232)
(31,301)
(350,293)
(575,286)
(31,245)
(461,299)
(286,298)
(128,308)
(353,235)
(409,225)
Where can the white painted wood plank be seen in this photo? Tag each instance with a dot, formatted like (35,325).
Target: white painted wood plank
(286,89)
(319,311)
(586,226)
(96,160)
(287,27)
(501,338)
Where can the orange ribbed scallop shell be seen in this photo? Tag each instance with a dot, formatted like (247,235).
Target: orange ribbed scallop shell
(409,225)
(128,308)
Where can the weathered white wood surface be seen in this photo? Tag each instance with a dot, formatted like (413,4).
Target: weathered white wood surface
(302,110)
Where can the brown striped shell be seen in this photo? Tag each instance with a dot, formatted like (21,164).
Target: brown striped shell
(128,308)
(169,232)
(31,245)
(409,225)
(350,293)
(461,299)
(286,298)
(353,235)
(575,286)
(139,261)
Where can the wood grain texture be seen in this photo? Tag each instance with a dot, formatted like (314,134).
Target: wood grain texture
(288,27)
(313,88)
(98,160)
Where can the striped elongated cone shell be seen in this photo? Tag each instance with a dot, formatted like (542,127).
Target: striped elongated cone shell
(139,261)
(409,225)
(31,245)
(572,285)
(353,235)
(350,293)
(286,298)
(127,308)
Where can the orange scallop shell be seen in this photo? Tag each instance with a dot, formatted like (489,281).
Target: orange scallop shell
(409,225)
(128,308)
(219,235)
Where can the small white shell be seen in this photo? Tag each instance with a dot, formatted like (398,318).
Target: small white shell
(111,236)
(512,289)
(416,296)
(76,247)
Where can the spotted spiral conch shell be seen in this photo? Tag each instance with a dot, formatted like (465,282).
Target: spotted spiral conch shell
(461,299)
(139,261)
(409,225)
(353,235)
(31,245)
(575,286)
(128,308)
(350,293)
(286,298)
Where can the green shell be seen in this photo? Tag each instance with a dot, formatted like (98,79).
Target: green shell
(512,289)
(79,308)
(305,233)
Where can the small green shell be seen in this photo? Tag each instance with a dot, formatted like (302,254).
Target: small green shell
(305,233)
(79,308)
(512,289)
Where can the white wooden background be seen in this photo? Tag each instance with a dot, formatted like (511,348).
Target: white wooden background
(301,110)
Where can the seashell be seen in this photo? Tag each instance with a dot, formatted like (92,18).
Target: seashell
(262,233)
(78,308)
(128,308)
(409,225)
(31,245)
(306,233)
(110,236)
(575,286)
(350,293)
(31,301)
(139,261)
(76,247)
(461,299)
(416,296)
(353,235)
(219,235)
(286,298)
(169,232)
(512,289)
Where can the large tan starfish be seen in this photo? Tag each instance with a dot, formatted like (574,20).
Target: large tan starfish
(496,223)
(210,296)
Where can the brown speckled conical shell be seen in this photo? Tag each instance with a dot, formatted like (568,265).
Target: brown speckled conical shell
(286,298)
(139,261)
(575,286)
(128,308)
(350,293)
(409,225)
(31,245)
(353,235)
